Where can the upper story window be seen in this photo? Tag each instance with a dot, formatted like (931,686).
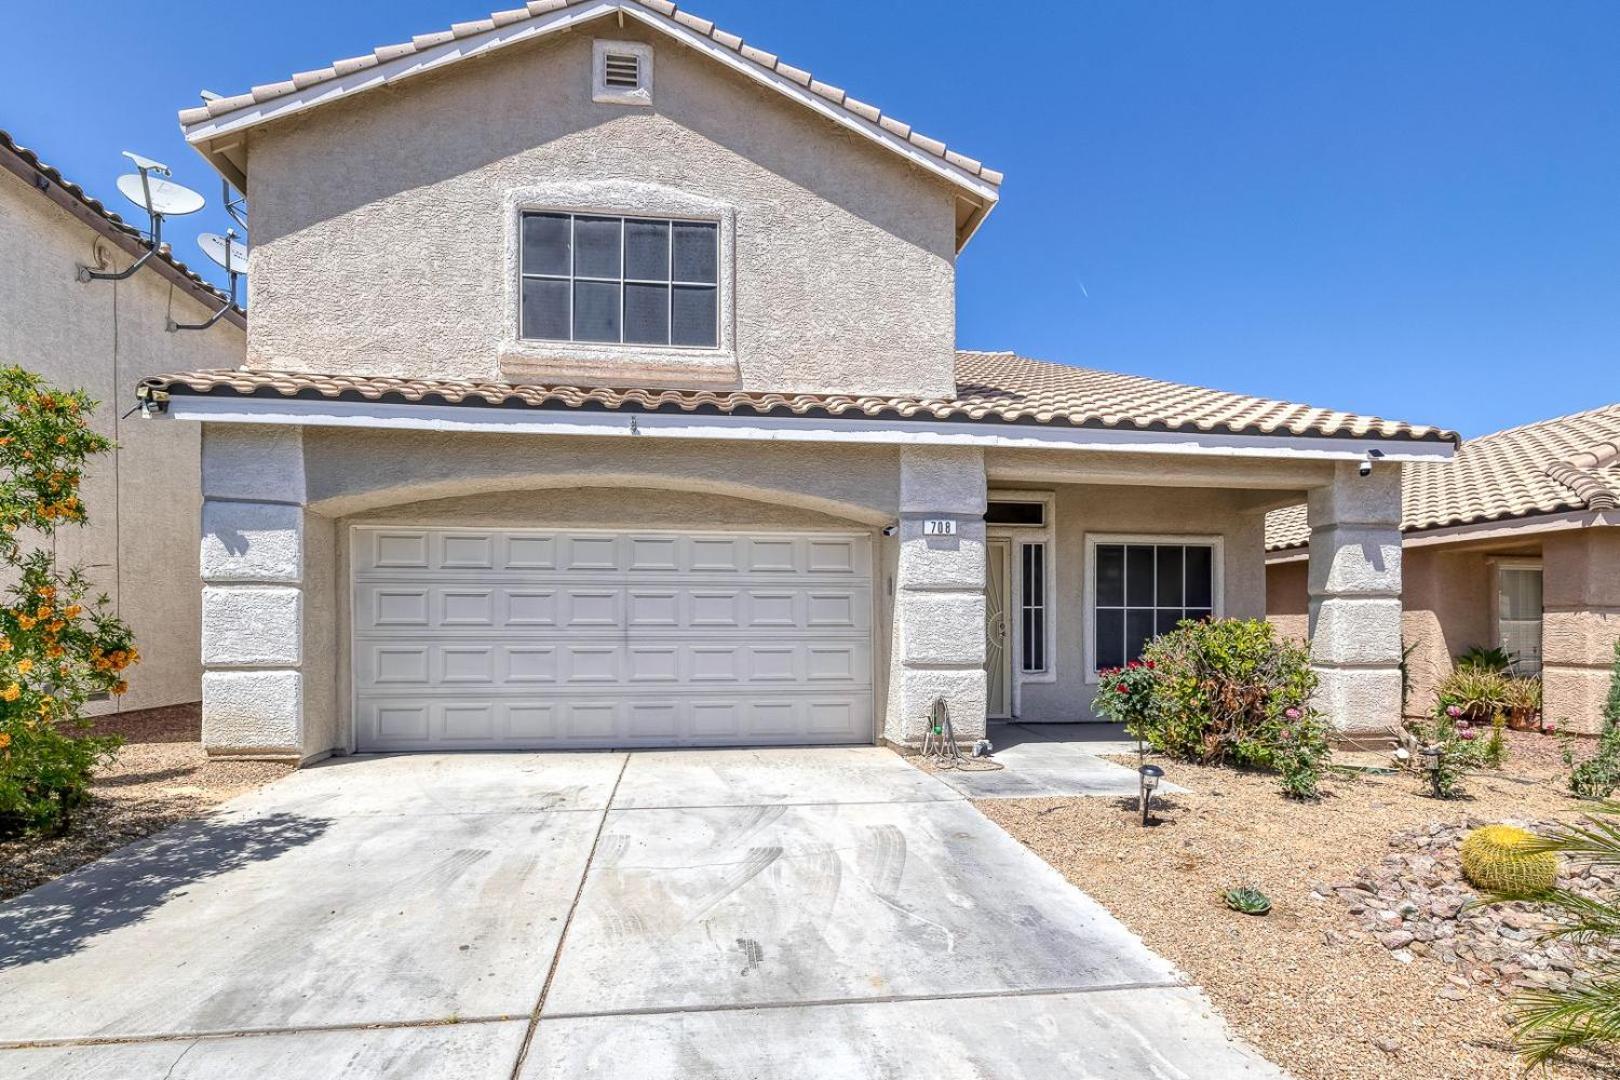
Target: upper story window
(635,281)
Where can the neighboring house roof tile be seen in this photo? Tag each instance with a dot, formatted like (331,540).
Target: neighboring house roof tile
(991,387)
(1551,466)
(770,62)
(42,177)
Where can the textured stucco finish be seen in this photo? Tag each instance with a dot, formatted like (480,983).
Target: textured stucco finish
(140,545)
(844,255)
(939,639)
(1354,579)
(256,542)
(253,713)
(251,626)
(1581,598)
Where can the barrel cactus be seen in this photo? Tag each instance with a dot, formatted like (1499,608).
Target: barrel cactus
(1494,859)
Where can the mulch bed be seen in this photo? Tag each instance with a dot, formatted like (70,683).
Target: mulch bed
(1312,985)
(161,776)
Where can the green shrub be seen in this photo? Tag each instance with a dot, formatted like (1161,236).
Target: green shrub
(1226,691)
(57,647)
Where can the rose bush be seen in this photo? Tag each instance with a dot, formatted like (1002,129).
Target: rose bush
(1224,691)
(58,646)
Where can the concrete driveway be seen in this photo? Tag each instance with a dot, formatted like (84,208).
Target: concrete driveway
(688,914)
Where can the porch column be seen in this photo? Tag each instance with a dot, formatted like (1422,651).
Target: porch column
(1580,624)
(268,641)
(939,595)
(1355,597)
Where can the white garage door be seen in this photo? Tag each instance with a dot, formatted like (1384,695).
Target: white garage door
(516,638)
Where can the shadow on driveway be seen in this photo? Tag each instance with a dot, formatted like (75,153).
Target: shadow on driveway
(59,918)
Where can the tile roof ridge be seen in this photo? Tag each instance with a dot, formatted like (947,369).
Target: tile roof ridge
(1519,429)
(1579,473)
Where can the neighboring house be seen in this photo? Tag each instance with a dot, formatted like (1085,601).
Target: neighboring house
(1515,544)
(602,390)
(140,543)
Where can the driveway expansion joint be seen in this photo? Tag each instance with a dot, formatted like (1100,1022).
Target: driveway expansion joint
(568,921)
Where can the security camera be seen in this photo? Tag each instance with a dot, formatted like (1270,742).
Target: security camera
(1365,468)
(890,530)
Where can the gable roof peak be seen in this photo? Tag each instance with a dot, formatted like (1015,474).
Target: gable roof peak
(206,126)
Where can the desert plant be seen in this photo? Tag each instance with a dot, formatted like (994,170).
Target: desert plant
(1406,674)
(1248,900)
(1496,860)
(1477,693)
(1599,775)
(1547,1022)
(57,646)
(1521,700)
(1448,748)
(1480,658)
(1493,749)
(1225,691)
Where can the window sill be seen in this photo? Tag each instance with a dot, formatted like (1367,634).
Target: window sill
(563,363)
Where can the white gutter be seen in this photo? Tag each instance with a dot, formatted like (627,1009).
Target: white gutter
(236,409)
(202,132)
(1480,531)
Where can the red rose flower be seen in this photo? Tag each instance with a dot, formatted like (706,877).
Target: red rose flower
(1122,688)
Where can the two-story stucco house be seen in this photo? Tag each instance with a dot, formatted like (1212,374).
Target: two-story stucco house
(139,546)
(602,390)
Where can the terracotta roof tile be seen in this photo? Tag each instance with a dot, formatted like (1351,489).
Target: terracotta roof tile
(461,30)
(991,387)
(1551,466)
(201,288)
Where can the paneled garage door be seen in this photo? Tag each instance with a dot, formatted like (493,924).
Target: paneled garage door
(514,638)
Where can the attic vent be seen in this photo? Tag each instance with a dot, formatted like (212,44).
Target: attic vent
(622,73)
(621,70)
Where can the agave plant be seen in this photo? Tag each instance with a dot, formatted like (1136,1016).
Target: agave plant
(1547,1022)
(1248,900)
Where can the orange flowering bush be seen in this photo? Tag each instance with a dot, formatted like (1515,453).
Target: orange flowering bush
(58,646)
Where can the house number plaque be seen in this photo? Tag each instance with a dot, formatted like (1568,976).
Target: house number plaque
(939,527)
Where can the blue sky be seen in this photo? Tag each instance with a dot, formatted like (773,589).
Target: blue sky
(1406,209)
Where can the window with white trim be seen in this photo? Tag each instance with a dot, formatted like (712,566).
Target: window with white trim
(623,280)
(1032,608)
(1142,590)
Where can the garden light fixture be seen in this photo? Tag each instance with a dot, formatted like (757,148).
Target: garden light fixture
(1150,775)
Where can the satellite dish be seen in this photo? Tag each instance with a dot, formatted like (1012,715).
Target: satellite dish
(230,254)
(160,198)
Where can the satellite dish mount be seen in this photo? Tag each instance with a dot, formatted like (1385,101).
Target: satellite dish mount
(160,198)
(231,255)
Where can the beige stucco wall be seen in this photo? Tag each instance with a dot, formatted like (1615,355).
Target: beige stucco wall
(140,546)
(1084,510)
(1581,601)
(1446,608)
(383,226)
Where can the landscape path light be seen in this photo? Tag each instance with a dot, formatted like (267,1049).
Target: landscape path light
(1150,776)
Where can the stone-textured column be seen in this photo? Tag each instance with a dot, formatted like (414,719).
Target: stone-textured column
(939,595)
(268,643)
(1581,622)
(1355,597)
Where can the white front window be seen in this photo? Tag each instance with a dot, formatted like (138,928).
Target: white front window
(1518,615)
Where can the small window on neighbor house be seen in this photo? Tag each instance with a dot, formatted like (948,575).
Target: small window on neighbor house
(1032,608)
(1010,512)
(1144,590)
(632,281)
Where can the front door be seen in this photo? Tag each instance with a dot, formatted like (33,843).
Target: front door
(997,643)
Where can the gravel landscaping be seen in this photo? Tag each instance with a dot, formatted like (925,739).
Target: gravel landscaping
(1363,968)
(160,776)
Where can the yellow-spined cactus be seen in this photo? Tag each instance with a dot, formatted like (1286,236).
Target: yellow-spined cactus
(1495,861)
